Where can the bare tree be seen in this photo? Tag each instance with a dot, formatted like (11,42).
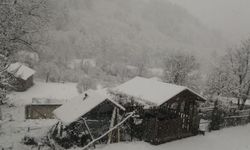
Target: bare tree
(86,83)
(181,68)
(237,63)
(218,82)
(141,63)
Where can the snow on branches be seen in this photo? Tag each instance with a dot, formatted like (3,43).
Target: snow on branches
(232,77)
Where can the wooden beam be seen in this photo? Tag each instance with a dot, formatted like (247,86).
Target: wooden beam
(110,130)
(111,125)
(118,129)
(1,114)
(88,129)
(59,128)
(52,130)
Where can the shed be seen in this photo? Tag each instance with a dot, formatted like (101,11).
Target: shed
(167,111)
(89,114)
(42,108)
(81,105)
(22,76)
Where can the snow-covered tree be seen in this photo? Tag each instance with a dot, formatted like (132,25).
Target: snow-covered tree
(232,77)
(85,84)
(20,27)
(181,68)
(217,82)
(4,78)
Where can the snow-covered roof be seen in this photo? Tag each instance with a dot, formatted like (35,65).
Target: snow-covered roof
(151,91)
(62,92)
(46,101)
(78,106)
(19,70)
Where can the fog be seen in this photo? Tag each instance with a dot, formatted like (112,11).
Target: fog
(231,17)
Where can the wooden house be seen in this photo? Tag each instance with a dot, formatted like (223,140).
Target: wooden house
(22,76)
(166,111)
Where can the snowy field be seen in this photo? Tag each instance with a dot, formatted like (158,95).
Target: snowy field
(236,138)
(61,91)
(14,126)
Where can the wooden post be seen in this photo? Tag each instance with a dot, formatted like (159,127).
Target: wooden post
(155,138)
(59,126)
(52,130)
(118,129)
(1,118)
(111,125)
(88,129)
(110,130)
(1,115)
(192,117)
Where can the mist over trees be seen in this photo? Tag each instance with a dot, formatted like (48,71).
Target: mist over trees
(107,42)
(134,35)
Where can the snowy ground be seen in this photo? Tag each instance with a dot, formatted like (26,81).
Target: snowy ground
(61,91)
(236,138)
(15,127)
(11,132)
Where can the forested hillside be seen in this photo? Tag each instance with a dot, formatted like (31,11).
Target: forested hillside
(131,32)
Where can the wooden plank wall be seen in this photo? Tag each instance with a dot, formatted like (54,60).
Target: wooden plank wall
(40,111)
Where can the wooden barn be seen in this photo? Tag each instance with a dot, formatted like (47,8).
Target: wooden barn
(166,111)
(87,119)
(22,76)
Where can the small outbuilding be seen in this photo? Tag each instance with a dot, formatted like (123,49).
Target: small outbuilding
(86,118)
(166,111)
(22,76)
(42,108)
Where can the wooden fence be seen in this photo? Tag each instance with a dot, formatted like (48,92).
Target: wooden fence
(239,118)
(221,118)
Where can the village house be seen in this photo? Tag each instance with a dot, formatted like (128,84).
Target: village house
(22,76)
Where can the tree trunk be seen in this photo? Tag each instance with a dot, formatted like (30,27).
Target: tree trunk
(242,104)
(238,103)
(47,77)
(1,116)
(112,125)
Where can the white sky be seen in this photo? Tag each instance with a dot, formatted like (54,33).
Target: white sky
(232,17)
